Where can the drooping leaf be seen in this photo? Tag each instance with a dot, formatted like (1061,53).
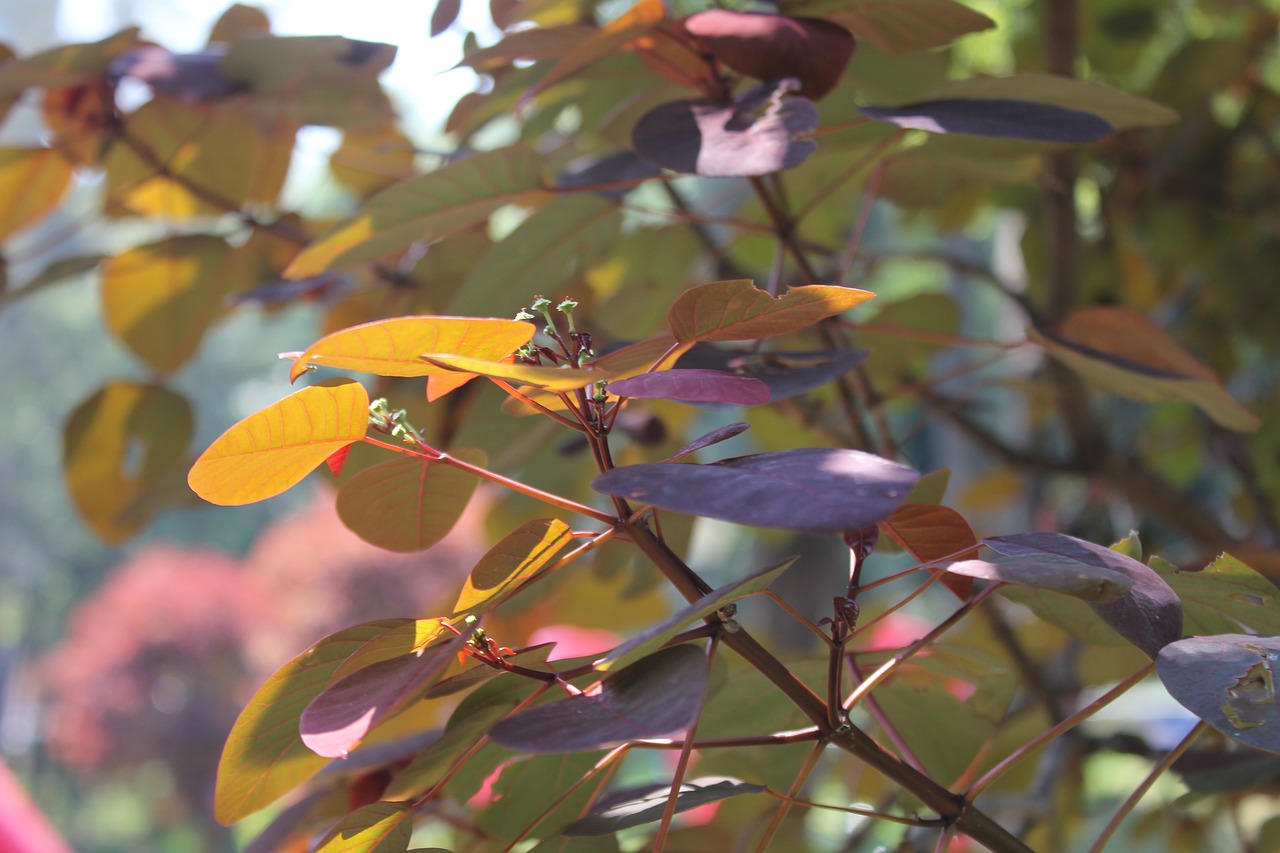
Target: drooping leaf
(548,378)
(738,310)
(1149,614)
(636,806)
(658,696)
(1124,352)
(407,504)
(693,386)
(32,181)
(758,134)
(126,441)
(375,828)
(809,490)
(1227,680)
(655,636)
(435,205)
(897,26)
(716,436)
(519,556)
(264,757)
(339,717)
(274,448)
(159,299)
(404,637)
(1001,119)
(1223,597)
(771,47)
(930,533)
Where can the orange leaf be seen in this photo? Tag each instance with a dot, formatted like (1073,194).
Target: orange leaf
(507,565)
(32,181)
(273,449)
(933,533)
(738,310)
(550,378)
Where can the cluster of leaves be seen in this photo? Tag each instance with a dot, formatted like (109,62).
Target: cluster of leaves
(598,137)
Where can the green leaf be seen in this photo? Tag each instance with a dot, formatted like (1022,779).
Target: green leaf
(506,566)
(435,205)
(915,708)
(376,828)
(66,65)
(264,757)
(740,311)
(896,26)
(1223,597)
(640,19)
(407,504)
(527,794)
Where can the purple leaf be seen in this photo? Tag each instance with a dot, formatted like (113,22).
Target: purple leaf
(446,12)
(809,490)
(1229,681)
(636,806)
(754,136)
(612,176)
(716,436)
(194,78)
(658,696)
(787,374)
(1149,615)
(693,386)
(999,118)
(1044,571)
(339,718)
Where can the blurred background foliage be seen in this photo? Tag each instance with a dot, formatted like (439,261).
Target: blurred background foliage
(122,665)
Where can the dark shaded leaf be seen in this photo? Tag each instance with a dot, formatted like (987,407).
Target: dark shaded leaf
(445,13)
(1071,577)
(693,386)
(754,136)
(407,504)
(716,436)
(771,47)
(611,176)
(658,696)
(1213,772)
(1002,119)
(637,806)
(809,490)
(193,78)
(786,374)
(897,25)
(1149,615)
(1228,681)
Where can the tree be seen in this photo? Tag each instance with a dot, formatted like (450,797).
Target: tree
(704,187)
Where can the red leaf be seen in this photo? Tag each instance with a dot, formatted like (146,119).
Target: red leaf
(931,533)
(337,459)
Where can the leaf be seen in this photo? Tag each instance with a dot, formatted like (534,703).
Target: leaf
(1001,119)
(407,504)
(159,299)
(1070,577)
(918,707)
(642,17)
(506,566)
(125,441)
(785,373)
(1124,352)
(635,806)
(32,182)
(931,533)
(1228,681)
(1148,615)
(771,47)
(897,26)
(716,436)
(527,45)
(264,757)
(449,200)
(445,13)
(548,378)
(693,386)
(55,273)
(533,792)
(274,448)
(404,637)
(658,696)
(808,490)
(375,828)
(341,715)
(612,176)
(394,347)
(1223,597)
(738,310)
(656,636)
(192,78)
(66,65)
(240,21)
(759,134)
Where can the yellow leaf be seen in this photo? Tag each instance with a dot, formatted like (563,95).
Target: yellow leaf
(518,557)
(549,378)
(405,638)
(273,449)
(32,181)
(739,311)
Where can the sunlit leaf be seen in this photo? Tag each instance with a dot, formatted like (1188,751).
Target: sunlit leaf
(693,386)
(810,490)
(637,806)
(368,162)
(897,25)
(375,828)
(1001,119)
(519,556)
(931,533)
(274,448)
(125,441)
(159,299)
(407,504)
(406,636)
(340,716)
(1223,597)
(770,47)
(738,310)
(32,181)
(548,378)
(656,697)
(1229,681)
(435,205)
(264,757)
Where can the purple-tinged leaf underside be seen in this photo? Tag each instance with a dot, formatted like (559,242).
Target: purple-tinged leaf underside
(693,386)
(786,374)
(716,436)
(1000,119)
(637,806)
(1229,681)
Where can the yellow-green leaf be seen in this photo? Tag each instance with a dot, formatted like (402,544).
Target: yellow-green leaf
(407,504)
(66,65)
(32,181)
(406,637)
(159,299)
(265,757)
(549,378)
(640,19)
(273,449)
(519,556)
(126,440)
(738,310)
(435,205)
(376,828)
